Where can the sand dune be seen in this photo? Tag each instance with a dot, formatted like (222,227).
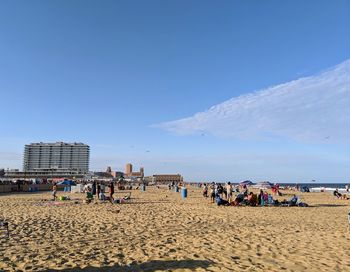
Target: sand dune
(158,231)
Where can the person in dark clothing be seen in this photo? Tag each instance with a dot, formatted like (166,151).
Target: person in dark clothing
(111,191)
(94,188)
(98,190)
(260,196)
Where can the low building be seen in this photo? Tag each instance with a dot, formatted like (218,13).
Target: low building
(130,174)
(167,179)
(48,173)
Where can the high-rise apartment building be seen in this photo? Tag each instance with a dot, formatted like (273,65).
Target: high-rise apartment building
(56,155)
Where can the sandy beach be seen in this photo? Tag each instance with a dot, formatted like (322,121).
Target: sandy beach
(158,231)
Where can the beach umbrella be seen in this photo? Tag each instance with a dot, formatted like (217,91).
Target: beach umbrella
(246,182)
(67,182)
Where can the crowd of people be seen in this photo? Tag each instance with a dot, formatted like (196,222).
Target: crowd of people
(224,196)
(105,192)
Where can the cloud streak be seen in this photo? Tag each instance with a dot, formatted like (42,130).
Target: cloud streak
(315,108)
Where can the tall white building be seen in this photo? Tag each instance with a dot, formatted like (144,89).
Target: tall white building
(74,156)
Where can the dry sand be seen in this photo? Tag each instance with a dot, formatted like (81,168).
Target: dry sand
(158,231)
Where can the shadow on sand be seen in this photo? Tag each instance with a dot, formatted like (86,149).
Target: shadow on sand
(328,205)
(150,266)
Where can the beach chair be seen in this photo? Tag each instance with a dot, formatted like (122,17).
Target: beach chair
(5,225)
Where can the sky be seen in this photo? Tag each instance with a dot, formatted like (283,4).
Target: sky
(228,90)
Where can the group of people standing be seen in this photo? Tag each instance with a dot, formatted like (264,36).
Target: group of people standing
(99,189)
(216,189)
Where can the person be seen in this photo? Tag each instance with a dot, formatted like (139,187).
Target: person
(229,192)
(103,187)
(260,197)
(212,192)
(54,192)
(239,199)
(98,190)
(339,195)
(266,198)
(270,200)
(347,188)
(252,199)
(94,187)
(220,201)
(220,190)
(102,196)
(245,191)
(111,192)
(205,190)
(89,195)
(293,201)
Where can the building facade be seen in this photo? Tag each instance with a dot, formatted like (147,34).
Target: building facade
(128,169)
(42,173)
(167,179)
(71,156)
(129,173)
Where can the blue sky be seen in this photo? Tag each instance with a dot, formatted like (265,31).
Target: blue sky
(113,74)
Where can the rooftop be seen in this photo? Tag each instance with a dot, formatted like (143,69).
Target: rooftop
(58,144)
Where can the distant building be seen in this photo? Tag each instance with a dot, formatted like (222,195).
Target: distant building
(49,173)
(68,156)
(167,179)
(129,173)
(128,169)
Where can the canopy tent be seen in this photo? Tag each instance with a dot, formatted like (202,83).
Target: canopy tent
(246,183)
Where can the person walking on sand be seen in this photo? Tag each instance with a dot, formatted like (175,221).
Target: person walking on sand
(54,192)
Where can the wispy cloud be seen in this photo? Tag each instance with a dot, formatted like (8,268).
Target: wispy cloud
(315,108)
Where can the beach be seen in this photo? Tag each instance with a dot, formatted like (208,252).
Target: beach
(157,230)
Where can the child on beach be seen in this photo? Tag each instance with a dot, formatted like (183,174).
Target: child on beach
(54,192)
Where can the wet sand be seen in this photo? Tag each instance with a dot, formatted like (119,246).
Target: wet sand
(158,231)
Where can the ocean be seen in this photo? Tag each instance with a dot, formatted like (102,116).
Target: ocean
(318,185)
